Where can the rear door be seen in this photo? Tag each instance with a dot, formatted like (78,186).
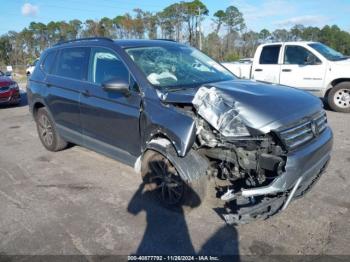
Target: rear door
(301,68)
(65,82)
(267,67)
(110,120)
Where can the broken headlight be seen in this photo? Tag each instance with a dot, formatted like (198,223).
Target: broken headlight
(231,125)
(220,112)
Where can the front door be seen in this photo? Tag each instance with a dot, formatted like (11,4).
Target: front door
(302,69)
(110,120)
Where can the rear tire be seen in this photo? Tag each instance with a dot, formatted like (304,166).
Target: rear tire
(47,132)
(161,178)
(339,97)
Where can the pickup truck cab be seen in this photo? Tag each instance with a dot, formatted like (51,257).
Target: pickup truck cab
(310,66)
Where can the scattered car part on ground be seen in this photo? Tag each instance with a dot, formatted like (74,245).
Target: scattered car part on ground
(182,119)
(310,66)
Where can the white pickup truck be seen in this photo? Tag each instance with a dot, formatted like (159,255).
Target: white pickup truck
(310,66)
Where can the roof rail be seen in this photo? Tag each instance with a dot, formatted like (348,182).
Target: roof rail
(166,39)
(84,39)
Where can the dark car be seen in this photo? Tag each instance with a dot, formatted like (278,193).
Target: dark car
(9,91)
(181,118)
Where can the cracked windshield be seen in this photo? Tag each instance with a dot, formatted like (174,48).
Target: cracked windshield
(169,67)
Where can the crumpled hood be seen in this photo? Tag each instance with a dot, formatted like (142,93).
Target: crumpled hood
(261,106)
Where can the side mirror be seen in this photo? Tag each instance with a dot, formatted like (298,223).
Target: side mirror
(8,74)
(311,60)
(117,85)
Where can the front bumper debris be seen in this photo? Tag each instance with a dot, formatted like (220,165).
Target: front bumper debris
(304,163)
(303,168)
(243,210)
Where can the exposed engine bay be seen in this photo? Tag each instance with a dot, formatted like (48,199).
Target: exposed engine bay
(254,173)
(237,159)
(256,160)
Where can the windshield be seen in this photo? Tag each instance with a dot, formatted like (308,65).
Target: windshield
(328,52)
(169,67)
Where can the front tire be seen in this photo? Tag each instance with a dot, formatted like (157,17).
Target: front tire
(47,132)
(339,97)
(161,178)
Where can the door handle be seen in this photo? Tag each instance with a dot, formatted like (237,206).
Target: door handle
(258,70)
(286,70)
(48,85)
(86,93)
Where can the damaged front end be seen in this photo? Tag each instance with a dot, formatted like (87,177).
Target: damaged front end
(249,167)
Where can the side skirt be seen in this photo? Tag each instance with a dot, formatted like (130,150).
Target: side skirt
(97,146)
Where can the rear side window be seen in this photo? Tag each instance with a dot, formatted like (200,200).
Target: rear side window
(105,65)
(48,62)
(269,55)
(73,63)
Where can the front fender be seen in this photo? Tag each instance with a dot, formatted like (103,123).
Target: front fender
(166,121)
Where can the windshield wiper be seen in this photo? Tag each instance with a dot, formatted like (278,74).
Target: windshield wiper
(194,85)
(172,89)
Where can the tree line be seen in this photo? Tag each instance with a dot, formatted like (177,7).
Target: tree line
(229,39)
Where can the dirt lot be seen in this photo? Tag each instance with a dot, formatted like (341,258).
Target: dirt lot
(79,202)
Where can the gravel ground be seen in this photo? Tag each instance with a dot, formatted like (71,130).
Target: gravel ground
(79,202)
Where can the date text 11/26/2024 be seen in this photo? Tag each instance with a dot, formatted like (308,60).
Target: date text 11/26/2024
(173,258)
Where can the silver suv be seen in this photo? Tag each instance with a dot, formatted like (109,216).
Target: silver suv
(182,120)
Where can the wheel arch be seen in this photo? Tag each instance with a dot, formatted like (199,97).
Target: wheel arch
(36,106)
(161,136)
(334,83)
(190,167)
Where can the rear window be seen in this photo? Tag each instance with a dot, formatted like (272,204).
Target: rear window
(269,55)
(73,63)
(49,61)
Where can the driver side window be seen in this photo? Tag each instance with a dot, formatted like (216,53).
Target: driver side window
(105,65)
(297,55)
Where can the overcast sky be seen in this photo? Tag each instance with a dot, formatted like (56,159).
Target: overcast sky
(259,14)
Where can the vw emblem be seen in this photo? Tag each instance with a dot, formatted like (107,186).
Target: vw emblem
(314,128)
